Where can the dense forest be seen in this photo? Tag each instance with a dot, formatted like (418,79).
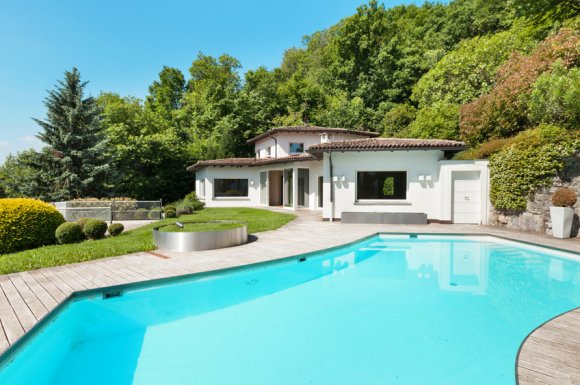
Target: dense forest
(501,75)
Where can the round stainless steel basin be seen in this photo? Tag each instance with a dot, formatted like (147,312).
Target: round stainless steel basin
(201,240)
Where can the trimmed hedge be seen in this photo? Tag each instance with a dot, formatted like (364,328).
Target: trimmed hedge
(82,221)
(69,232)
(170,214)
(95,229)
(141,213)
(26,224)
(116,229)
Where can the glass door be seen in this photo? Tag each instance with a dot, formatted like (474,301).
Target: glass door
(303,174)
(264,188)
(288,182)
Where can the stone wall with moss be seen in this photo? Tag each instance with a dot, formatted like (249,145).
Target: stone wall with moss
(536,218)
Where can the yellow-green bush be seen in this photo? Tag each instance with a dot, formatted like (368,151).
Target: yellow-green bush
(26,224)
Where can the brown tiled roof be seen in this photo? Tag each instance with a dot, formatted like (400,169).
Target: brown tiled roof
(248,162)
(378,144)
(312,129)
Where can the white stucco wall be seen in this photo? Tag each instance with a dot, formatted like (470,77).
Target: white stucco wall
(435,197)
(209,174)
(420,195)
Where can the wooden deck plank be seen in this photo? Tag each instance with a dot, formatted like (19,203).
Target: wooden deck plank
(21,309)
(9,320)
(35,305)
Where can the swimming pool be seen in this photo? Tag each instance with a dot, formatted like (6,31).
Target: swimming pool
(389,309)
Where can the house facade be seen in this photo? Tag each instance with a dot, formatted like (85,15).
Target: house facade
(350,175)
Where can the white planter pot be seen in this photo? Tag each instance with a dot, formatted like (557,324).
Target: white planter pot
(562,218)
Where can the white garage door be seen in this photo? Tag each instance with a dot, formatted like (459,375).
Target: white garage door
(466,197)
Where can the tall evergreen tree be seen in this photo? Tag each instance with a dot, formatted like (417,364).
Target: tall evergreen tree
(73,134)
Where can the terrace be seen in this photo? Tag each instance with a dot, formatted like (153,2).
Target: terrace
(548,356)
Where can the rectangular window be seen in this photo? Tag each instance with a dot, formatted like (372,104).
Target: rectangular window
(268,152)
(202,188)
(230,188)
(320,191)
(383,185)
(296,148)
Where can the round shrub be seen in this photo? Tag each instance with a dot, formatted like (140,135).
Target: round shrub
(82,221)
(155,214)
(169,208)
(26,224)
(564,197)
(116,229)
(141,213)
(69,232)
(95,229)
(170,214)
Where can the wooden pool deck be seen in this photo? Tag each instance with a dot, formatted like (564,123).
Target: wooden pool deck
(551,355)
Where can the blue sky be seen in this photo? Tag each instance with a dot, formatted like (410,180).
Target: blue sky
(121,45)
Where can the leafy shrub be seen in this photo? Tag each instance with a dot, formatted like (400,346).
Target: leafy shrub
(185,207)
(170,214)
(555,98)
(529,163)
(564,197)
(154,214)
(81,222)
(169,207)
(95,229)
(69,232)
(397,119)
(141,213)
(189,204)
(468,71)
(503,111)
(485,150)
(439,121)
(26,224)
(116,229)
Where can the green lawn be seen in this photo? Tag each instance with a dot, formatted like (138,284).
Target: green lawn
(199,226)
(133,241)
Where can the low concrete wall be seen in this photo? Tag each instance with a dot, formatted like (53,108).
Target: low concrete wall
(536,218)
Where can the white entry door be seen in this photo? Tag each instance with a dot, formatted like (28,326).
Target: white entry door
(466,197)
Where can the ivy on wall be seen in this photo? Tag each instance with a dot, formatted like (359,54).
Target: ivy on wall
(528,163)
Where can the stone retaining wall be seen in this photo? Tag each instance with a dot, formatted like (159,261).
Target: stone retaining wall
(537,216)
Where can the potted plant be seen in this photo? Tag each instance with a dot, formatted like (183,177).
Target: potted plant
(561,212)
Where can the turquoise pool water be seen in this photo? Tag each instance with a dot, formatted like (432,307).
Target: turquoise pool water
(386,310)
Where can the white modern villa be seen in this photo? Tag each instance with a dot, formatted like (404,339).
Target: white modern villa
(350,175)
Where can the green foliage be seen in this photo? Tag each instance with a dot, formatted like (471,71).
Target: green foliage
(485,150)
(69,232)
(192,198)
(555,98)
(74,160)
(133,241)
(170,213)
(397,119)
(169,208)
(503,111)
(530,162)
(469,70)
(26,224)
(115,229)
(438,121)
(154,214)
(95,229)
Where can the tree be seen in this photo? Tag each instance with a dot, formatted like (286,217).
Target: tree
(503,111)
(468,71)
(166,94)
(20,175)
(73,133)
(148,153)
(555,98)
(438,121)
(397,119)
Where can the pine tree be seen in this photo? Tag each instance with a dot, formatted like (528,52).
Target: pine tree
(74,136)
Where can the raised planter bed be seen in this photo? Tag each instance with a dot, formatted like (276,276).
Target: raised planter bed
(196,236)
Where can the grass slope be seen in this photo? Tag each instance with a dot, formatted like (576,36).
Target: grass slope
(133,241)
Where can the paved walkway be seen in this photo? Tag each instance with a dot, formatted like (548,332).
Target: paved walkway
(28,296)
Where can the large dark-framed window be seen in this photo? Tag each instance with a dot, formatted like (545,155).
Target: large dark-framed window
(296,148)
(381,185)
(230,188)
